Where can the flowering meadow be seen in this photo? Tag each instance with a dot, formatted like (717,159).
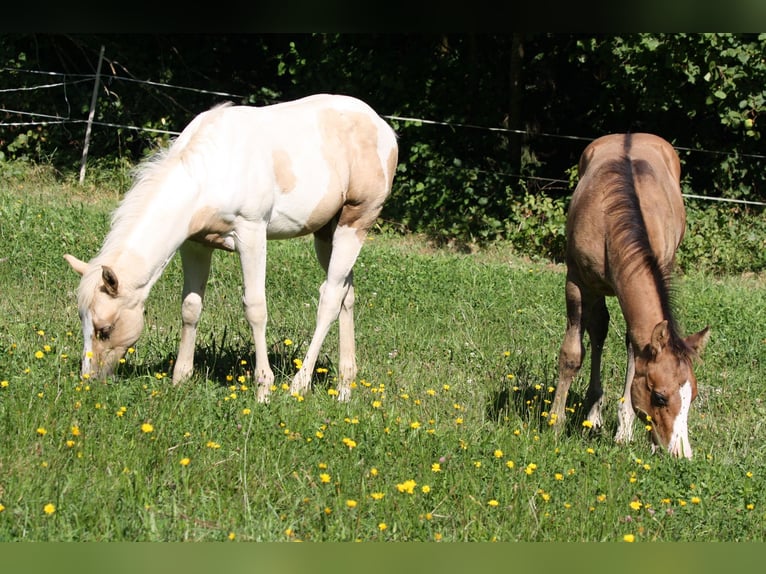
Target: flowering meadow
(445,438)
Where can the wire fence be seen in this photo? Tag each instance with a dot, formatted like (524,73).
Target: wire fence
(65,81)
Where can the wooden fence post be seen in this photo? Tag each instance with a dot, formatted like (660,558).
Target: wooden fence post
(90,115)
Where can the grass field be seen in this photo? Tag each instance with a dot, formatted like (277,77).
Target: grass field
(445,437)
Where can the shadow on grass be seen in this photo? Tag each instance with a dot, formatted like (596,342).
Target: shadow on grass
(529,395)
(223,362)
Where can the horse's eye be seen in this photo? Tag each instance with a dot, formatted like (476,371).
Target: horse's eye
(658,399)
(103,333)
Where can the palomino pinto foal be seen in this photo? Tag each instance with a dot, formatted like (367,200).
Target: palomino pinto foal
(236,177)
(625,222)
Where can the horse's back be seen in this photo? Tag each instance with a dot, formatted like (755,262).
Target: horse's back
(295,163)
(613,171)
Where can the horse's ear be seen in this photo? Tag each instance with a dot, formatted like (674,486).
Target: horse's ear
(76,264)
(660,336)
(698,341)
(110,280)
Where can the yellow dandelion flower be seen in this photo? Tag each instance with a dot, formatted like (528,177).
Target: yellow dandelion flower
(49,508)
(324,478)
(558,476)
(382,526)
(510,463)
(590,450)
(408,486)
(232,536)
(436,467)
(212,444)
(695,500)
(477,463)
(246,411)
(41,431)
(70,443)
(629,538)
(322,465)
(332,392)
(425,489)
(373,471)
(75,431)
(147,428)
(438,537)
(185,461)
(351,503)
(350,443)
(601,497)
(636,504)
(498,453)
(377,495)
(298,363)
(587,424)
(4,384)
(39,355)
(750,506)
(376,404)
(493,503)
(2,507)
(288,342)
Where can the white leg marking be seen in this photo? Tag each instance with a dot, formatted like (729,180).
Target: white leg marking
(625,414)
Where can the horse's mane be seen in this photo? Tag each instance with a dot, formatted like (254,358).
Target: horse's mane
(150,173)
(631,234)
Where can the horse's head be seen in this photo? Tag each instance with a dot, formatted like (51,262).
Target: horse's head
(664,387)
(112,319)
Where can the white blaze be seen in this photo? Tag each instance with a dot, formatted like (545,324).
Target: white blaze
(679,440)
(87,337)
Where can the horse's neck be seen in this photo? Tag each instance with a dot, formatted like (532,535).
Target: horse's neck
(139,247)
(641,305)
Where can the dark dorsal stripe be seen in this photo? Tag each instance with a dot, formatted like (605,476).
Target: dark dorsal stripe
(630,232)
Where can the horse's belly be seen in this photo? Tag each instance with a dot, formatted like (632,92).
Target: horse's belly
(299,214)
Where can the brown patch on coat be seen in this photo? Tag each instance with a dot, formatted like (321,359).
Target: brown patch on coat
(209,228)
(283,170)
(357,176)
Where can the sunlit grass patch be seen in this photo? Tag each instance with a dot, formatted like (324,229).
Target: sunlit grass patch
(446,436)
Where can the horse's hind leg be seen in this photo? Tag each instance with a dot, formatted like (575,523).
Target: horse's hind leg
(570,354)
(337,252)
(597,325)
(195,259)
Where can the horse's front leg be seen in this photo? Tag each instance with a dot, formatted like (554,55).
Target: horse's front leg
(195,259)
(251,245)
(625,413)
(570,354)
(597,325)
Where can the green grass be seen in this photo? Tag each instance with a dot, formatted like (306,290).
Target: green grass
(457,356)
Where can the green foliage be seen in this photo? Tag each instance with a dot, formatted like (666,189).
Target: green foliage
(723,239)
(471,172)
